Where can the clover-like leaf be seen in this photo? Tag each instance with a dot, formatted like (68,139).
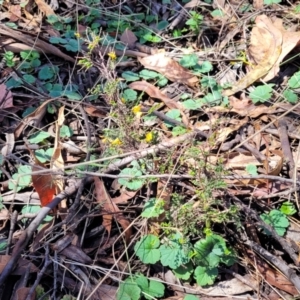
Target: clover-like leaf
(205,276)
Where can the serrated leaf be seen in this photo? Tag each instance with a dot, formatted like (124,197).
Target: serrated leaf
(153,208)
(209,251)
(261,93)
(191,104)
(131,183)
(128,291)
(150,288)
(189,60)
(184,272)
(205,67)
(288,208)
(147,249)
(147,74)
(46,73)
(277,220)
(173,254)
(290,96)
(205,276)
(129,95)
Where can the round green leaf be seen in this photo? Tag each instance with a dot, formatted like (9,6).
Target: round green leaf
(146,249)
(205,276)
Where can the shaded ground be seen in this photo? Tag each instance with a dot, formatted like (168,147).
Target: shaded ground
(149,150)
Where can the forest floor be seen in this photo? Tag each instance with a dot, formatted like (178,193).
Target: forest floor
(149,149)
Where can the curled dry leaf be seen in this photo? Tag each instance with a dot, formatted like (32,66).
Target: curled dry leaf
(169,68)
(154,92)
(265,49)
(111,210)
(57,162)
(44,7)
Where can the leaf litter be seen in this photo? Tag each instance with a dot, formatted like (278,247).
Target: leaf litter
(153,166)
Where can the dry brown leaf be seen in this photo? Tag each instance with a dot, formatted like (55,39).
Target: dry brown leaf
(95,112)
(44,7)
(258,4)
(111,210)
(124,197)
(265,49)
(57,162)
(169,68)
(128,38)
(154,92)
(35,117)
(35,43)
(15,11)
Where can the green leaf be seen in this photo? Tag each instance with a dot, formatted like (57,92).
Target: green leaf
(146,249)
(208,252)
(128,291)
(19,182)
(189,60)
(44,156)
(147,74)
(65,131)
(29,78)
(191,104)
(277,220)
(208,81)
(73,45)
(131,183)
(130,76)
(162,25)
(150,288)
(270,2)
(173,254)
(251,169)
(288,208)
(13,83)
(213,98)
(178,130)
(173,114)
(3,245)
(191,297)
(205,67)
(205,276)
(184,272)
(129,95)
(46,73)
(162,81)
(153,208)
(38,137)
(290,96)
(72,95)
(261,93)
(217,13)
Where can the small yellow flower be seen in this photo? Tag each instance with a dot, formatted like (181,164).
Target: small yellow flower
(112,55)
(149,137)
(116,142)
(136,109)
(123,100)
(77,34)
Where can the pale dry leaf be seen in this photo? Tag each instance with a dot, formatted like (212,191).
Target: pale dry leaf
(44,7)
(15,13)
(154,92)
(265,49)
(290,41)
(169,68)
